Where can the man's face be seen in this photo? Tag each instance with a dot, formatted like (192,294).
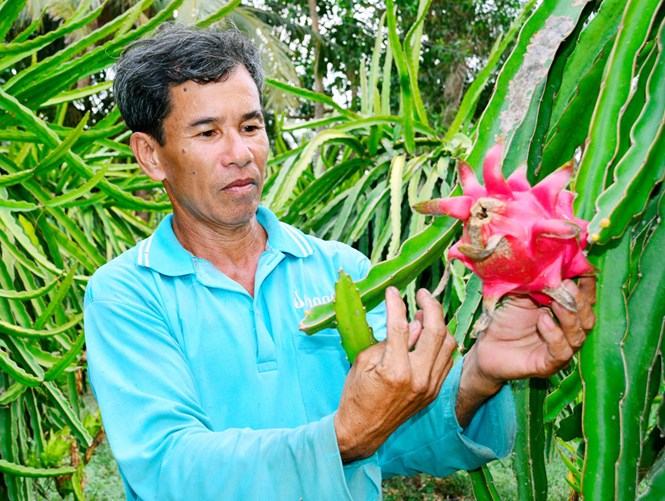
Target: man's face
(215,150)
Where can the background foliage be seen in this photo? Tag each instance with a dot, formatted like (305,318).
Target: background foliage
(564,79)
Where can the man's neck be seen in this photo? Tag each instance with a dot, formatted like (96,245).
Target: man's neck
(233,250)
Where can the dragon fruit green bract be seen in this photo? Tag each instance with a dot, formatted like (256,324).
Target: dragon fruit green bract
(517,238)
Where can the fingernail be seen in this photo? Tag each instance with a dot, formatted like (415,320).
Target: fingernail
(570,285)
(392,290)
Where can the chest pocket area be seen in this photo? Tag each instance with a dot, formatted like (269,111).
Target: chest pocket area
(324,340)
(322,368)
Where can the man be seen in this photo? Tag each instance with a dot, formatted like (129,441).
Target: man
(207,388)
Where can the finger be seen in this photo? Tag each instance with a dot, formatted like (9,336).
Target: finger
(516,312)
(586,297)
(442,364)
(570,319)
(434,327)
(571,326)
(558,349)
(415,329)
(397,327)
(583,302)
(441,378)
(415,324)
(587,286)
(369,358)
(587,318)
(523,302)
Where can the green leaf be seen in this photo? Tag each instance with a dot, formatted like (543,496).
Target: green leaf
(28,30)
(15,371)
(20,235)
(343,217)
(28,294)
(483,485)
(12,393)
(75,237)
(80,191)
(602,142)
(641,168)
(524,135)
(17,205)
(354,231)
(284,185)
(68,413)
(643,338)
(28,471)
(38,72)
(385,83)
(16,330)
(406,93)
(580,82)
(602,370)
(72,95)
(320,188)
(49,137)
(655,481)
(68,72)
(219,14)
(9,12)
(36,422)
(565,394)
(16,177)
(525,69)
(310,95)
(57,153)
(416,254)
(412,48)
(373,105)
(11,53)
(570,459)
(312,124)
(396,174)
(56,299)
(472,95)
(529,460)
(19,350)
(66,360)
(465,313)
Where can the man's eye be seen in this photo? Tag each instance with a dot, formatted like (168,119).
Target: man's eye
(207,133)
(251,128)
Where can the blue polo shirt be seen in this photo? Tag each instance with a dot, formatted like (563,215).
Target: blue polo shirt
(208,393)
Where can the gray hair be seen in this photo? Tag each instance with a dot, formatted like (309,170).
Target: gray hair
(176,54)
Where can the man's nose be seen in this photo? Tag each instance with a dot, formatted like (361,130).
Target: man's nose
(235,150)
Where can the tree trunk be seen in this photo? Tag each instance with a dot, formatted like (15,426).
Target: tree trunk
(318,79)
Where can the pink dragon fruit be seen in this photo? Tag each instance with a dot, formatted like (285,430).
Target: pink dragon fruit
(517,238)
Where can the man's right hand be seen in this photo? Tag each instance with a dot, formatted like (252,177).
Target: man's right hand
(393,380)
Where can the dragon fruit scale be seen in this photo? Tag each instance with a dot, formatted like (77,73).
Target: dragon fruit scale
(517,238)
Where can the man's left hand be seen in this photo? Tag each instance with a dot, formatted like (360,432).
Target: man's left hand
(524,340)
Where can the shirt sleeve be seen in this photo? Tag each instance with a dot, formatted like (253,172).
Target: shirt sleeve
(433,441)
(162,438)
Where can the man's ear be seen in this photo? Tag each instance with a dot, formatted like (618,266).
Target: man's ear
(145,148)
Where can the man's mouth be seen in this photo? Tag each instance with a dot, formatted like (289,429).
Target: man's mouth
(240,185)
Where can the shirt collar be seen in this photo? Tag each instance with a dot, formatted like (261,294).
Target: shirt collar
(163,252)
(283,237)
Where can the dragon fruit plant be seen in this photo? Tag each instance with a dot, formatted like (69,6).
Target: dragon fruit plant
(518,238)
